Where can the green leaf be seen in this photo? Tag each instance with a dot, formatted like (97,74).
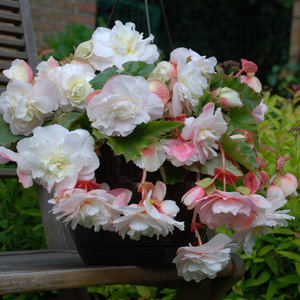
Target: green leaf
(247,94)
(283,231)
(205,182)
(210,165)
(98,81)
(264,276)
(272,288)
(67,119)
(31,212)
(258,260)
(6,137)
(242,119)
(272,263)
(240,152)
(297,264)
(203,100)
(295,278)
(137,68)
(4,223)
(248,265)
(140,138)
(251,282)
(99,135)
(144,291)
(284,245)
(265,250)
(291,255)
(173,174)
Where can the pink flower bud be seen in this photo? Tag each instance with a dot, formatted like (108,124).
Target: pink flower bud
(191,198)
(288,183)
(229,98)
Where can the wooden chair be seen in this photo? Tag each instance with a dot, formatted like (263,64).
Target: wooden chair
(60,267)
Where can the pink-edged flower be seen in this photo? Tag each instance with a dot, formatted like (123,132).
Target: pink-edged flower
(203,63)
(193,196)
(19,70)
(253,82)
(228,98)
(262,225)
(288,183)
(226,208)
(124,102)
(258,112)
(253,182)
(205,131)
(26,107)
(152,217)
(73,83)
(45,67)
(180,152)
(93,208)
(151,157)
(121,44)
(56,158)
(7,155)
(197,263)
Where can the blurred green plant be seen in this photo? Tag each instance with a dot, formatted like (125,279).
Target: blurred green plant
(64,41)
(273,269)
(131,292)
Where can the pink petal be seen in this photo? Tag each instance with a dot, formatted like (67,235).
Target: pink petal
(158,88)
(184,151)
(7,155)
(160,191)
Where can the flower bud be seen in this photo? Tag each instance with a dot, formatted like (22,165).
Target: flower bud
(229,98)
(84,50)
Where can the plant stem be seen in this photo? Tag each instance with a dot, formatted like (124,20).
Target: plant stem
(196,231)
(223,165)
(270,149)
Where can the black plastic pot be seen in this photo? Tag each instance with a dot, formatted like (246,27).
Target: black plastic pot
(108,248)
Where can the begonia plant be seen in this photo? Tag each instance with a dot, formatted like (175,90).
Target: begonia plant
(179,114)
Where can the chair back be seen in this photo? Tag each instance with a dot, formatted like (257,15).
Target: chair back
(16,36)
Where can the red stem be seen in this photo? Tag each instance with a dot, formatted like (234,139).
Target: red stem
(223,165)
(196,230)
(270,149)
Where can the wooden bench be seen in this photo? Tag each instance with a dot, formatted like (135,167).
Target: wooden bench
(60,267)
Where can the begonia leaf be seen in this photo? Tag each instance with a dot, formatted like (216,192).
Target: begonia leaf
(206,98)
(210,165)
(140,138)
(242,119)
(137,68)
(172,174)
(240,152)
(98,81)
(67,119)
(247,94)
(6,137)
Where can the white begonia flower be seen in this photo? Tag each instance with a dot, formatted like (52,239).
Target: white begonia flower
(73,83)
(84,50)
(56,158)
(19,70)
(205,64)
(45,67)
(206,260)
(188,88)
(25,107)
(146,220)
(88,209)
(119,45)
(124,102)
(205,131)
(151,157)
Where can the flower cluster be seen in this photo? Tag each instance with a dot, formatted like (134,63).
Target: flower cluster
(178,114)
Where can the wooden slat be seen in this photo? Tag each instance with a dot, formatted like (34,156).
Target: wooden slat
(11,30)
(29,35)
(4,79)
(12,43)
(9,5)
(7,54)
(4,66)
(8,173)
(10,17)
(61,270)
